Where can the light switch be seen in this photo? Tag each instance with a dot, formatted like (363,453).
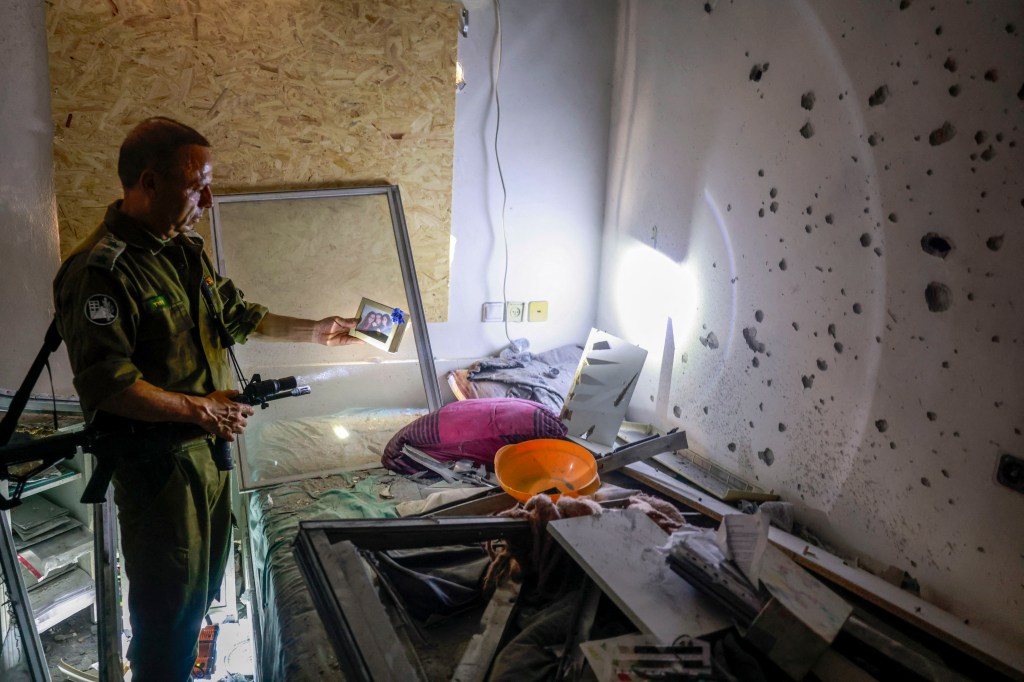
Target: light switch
(538,311)
(494,312)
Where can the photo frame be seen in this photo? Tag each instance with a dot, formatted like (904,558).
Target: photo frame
(380,325)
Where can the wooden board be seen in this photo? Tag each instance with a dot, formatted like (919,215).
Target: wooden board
(476,660)
(292,94)
(617,550)
(719,482)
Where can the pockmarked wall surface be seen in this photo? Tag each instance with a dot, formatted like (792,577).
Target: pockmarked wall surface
(815,226)
(292,94)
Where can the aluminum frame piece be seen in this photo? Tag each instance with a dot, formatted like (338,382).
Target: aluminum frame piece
(108,628)
(32,646)
(403,248)
(365,641)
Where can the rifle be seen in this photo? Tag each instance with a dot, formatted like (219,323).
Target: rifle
(109,441)
(125,437)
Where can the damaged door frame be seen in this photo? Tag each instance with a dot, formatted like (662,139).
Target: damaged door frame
(365,642)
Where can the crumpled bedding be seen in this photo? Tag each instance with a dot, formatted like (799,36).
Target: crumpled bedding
(294,643)
(544,378)
(530,381)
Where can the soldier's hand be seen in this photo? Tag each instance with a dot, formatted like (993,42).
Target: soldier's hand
(222,416)
(334,331)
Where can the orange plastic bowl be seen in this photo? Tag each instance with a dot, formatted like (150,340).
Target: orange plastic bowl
(536,466)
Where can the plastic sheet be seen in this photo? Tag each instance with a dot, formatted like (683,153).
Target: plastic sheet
(322,445)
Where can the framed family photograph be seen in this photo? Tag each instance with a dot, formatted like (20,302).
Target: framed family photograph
(379,325)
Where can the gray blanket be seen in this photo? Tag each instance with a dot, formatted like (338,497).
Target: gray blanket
(544,378)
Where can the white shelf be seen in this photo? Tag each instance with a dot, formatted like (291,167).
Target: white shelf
(62,597)
(50,485)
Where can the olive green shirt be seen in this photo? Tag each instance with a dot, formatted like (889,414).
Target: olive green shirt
(130,306)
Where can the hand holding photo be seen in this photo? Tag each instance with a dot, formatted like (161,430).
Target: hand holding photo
(380,325)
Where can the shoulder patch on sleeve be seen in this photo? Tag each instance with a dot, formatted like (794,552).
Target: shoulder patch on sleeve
(106,252)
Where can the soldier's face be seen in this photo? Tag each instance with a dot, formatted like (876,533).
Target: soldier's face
(184,195)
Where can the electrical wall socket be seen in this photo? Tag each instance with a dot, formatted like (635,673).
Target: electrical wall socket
(515,311)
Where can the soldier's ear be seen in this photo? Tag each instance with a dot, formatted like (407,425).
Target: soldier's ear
(148,180)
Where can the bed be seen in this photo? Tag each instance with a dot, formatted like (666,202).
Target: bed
(292,641)
(328,467)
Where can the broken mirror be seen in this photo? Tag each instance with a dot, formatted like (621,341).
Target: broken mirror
(314,254)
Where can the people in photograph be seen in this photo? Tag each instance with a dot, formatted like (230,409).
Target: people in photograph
(374,323)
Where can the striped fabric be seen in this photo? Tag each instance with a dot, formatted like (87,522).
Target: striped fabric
(472,429)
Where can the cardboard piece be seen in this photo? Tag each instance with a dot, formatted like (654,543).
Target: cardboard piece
(626,657)
(798,624)
(795,626)
(601,390)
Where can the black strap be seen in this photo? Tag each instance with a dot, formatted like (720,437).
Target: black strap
(51,343)
(222,330)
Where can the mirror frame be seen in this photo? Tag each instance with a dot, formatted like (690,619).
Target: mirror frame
(425,356)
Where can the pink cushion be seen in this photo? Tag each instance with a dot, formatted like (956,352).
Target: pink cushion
(472,429)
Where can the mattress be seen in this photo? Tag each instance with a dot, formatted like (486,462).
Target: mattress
(313,449)
(294,645)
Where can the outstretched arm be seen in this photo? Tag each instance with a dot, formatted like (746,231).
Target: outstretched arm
(330,331)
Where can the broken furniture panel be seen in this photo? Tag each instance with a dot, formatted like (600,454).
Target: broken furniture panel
(476,660)
(602,388)
(641,450)
(986,652)
(618,550)
(717,480)
(367,644)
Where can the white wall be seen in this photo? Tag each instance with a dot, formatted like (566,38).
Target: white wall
(890,451)
(28,218)
(555,94)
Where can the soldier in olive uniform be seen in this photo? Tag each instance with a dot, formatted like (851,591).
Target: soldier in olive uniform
(147,322)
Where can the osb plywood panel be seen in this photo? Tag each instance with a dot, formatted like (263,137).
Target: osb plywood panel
(346,248)
(291,93)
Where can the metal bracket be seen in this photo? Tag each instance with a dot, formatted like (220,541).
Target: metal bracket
(641,450)
(464,22)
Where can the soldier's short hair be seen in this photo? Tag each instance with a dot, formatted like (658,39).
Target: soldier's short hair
(154,143)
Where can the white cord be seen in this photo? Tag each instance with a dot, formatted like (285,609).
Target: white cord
(501,175)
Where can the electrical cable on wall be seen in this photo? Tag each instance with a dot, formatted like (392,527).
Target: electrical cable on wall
(501,175)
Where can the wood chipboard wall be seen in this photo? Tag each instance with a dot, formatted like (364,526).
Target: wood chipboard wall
(291,93)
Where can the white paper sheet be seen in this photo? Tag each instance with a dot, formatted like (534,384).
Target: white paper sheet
(743,538)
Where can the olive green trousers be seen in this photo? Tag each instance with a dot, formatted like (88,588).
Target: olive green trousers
(174,510)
